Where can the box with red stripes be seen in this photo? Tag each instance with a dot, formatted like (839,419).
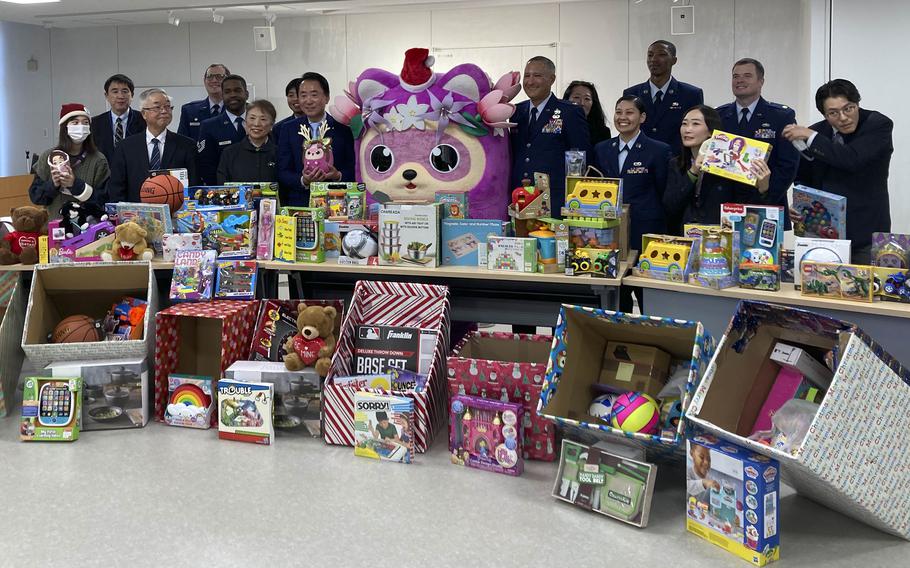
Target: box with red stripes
(398,304)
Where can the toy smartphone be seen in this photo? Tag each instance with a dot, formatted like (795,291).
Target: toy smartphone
(306,233)
(768,233)
(750,228)
(56,404)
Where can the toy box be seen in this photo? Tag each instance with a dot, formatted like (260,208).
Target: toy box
(383,427)
(305,228)
(818,250)
(376,347)
(236,234)
(512,254)
(718,264)
(731,156)
(840,281)
(245,411)
(760,277)
(665,257)
(115,393)
(486,434)
(552,241)
(606,478)
(51,409)
(202,197)
(454,204)
(787,266)
(357,243)
(342,201)
(891,250)
(172,242)
(822,215)
(189,401)
(194,276)
(760,228)
(596,262)
(464,241)
(265,239)
(236,279)
(409,234)
(155,218)
(600,198)
(892,283)
(733,498)
(634,367)
(258,189)
(531,201)
(87,246)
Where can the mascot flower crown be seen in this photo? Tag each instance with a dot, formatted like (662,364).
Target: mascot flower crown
(419,132)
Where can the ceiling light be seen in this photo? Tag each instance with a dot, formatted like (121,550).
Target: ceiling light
(217,18)
(172,18)
(29,1)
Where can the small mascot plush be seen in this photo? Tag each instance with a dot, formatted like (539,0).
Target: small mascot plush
(76,217)
(129,244)
(21,244)
(314,343)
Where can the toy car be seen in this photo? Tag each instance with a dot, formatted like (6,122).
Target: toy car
(898,285)
(595,262)
(94,233)
(664,257)
(592,196)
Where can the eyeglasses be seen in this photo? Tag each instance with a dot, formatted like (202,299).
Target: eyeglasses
(215,77)
(159,109)
(846,110)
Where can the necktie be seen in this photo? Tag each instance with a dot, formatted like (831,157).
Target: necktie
(838,139)
(744,118)
(623,153)
(533,116)
(118,132)
(239,123)
(155,160)
(658,98)
(314,130)
(216,110)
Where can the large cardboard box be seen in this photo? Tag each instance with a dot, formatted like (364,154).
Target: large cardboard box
(115,393)
(12,318)
(59,291)
(853,459)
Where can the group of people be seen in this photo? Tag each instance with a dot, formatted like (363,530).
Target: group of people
(660,126)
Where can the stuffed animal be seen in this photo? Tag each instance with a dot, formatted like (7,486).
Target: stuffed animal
(418,133)
(76,217)
(129,244)
(21,244)
(317,152)
(314,343)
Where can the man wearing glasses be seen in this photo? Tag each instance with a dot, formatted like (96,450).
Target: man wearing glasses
(157,149)
(193,113)
(848,153)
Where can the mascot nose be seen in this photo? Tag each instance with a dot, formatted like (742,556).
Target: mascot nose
(409,175)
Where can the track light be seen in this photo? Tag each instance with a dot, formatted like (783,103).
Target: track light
(217,18)
(172,18)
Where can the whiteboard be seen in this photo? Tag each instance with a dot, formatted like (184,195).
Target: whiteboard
(182,94)
(496,61)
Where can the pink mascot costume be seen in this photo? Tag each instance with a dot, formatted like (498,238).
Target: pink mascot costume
(419,132)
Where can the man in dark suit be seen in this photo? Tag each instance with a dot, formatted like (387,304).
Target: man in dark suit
(848,153)
(156,149)
(294,182)
(666,99)
(111,127)
(546,127)
(754,117)
(219,132)
(193,113)
(291,94)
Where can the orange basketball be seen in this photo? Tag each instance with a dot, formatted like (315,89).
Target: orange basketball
(162,189)
(76,329)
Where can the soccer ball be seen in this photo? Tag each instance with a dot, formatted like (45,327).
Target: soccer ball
(359,244)
(602,406)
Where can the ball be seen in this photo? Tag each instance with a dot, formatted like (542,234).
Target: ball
(359,244)
(76,329)
(636,412)
(162,189)
(602,407)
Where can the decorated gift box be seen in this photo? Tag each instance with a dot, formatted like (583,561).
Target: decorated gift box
(51,409)
(821,214)
(409,234)
(245,411)
(486,434)
(731,156)
(464,241)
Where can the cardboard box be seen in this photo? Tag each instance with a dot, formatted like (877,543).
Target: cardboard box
(822,215)
(59,291)
(486,434)
(665,257)
(245,411)
(51,409)
(464,241)
(12,319)
(512,254)
(409,234)
(818,250)
(632,367)
(115,393)
(739,511)
(297,394)
(799,360)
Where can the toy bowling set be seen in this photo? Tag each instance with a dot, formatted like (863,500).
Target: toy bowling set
(51,409)
(486,434)
(245,411)
(115,393)
(464,241)
(822,215)
(409,234)
(733,498)
(383,427)
(818,250)
(761,234)
(513,254)
(731,156)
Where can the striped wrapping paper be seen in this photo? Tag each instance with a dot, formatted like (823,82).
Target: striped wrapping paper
(397,304)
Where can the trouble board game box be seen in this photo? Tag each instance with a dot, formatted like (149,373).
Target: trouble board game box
(245,411)
(383,427)
(464,241)
(297,394)
(409,234)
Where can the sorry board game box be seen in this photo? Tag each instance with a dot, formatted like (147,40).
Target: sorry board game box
(383,427)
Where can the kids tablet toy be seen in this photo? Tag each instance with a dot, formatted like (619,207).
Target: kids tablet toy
(486,434)
(51,409)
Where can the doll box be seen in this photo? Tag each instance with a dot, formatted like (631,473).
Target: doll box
(510,367)
(245,411)
(822,215)
(394,304)
(115,393)
(409,234)
(739,512)
(59,291)
(464,241)
(486,434)
(848,431)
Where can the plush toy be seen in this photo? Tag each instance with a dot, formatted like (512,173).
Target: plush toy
(418,133)
(314,342)
(129,244)
(317,152)
(21,244)
(76,217)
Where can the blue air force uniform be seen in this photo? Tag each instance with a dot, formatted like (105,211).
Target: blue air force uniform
(215,134)
(191,116)
(663,120)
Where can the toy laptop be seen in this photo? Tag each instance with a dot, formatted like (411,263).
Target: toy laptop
(189,401)
(822,215)
(383,427)
(245,411)
(731,156)
(51,409)
(486,434)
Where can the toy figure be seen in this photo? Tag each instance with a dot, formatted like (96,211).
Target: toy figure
(129,244)
(314,342)
(76,217)
(317,152)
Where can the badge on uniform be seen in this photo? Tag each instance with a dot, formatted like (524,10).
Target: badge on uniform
(765,133)
(194,123)
(200,146)
(553,126)
(674,105)
(637,169)
(224,143)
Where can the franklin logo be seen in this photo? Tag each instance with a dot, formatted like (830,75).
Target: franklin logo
(400,335)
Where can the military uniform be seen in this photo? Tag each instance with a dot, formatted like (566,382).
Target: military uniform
(215,134)
(191,116)
(663,121)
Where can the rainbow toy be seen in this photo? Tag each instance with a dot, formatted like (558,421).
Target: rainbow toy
(189,401)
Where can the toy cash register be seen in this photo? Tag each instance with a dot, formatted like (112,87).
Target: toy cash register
(51,409)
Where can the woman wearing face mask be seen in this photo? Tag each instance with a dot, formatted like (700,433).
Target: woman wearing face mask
(77,172)
(695,194)
(255,157)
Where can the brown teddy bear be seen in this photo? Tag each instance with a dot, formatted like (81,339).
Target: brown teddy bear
(129,244)
(21,245)
(314,343)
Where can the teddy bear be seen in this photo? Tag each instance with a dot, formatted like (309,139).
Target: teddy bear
(314,343)
(129,244)
(21,244)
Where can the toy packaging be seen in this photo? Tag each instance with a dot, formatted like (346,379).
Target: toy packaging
(596,262)
(194,276)
(761,234)
(464,241)
(512,254)
(172,242)
(607,478)
(823,215)
(236,234)
(377,347)
(818,250)
(486,434)
(731,156)
(891,250)
(356,243)
(87,246)
(599,198)
(258,189)
(666,257)
(236,280)
(383,427)
(633,367)
(245,411)
(51,409)
(297,394)
(155,218)
(787,266)
(733,498)
(893,283)
(760,277)
(304,227)
(531,201)
(342,201)
(454,204)
(189,401)
(409,234)
(268,209)
(718,265)
(552,242)
(115,393)
(203,197)
(285,249)
(839,281)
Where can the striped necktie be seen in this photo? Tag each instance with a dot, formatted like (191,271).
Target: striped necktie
(155,160)
(118,132)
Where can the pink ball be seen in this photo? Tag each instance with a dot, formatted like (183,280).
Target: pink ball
(636,412)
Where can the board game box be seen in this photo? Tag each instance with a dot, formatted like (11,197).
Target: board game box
(383,427)
(194,276)
(245,411)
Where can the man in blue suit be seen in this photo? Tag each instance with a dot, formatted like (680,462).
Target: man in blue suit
(546,127)
(666,99)
(219,132)
(290,93)
(193,113)
(754,117)
(111,127)
(294,182)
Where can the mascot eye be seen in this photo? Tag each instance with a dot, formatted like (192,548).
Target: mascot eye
(381,158)
(444,158)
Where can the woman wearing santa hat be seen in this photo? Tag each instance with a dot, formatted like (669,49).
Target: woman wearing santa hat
(74,170)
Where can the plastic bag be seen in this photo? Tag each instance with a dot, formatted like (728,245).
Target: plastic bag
(791,424)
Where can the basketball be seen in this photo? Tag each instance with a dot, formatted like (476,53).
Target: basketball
(602,407)
(76,329)
(162,189)
(636,412)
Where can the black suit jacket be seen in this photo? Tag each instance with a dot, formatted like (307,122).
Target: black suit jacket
(103,130)
(130,166)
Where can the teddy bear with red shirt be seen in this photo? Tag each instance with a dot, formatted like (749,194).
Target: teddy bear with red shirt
(21,244)
(314,343)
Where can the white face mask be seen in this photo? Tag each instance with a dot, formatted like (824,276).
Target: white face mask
(78,132)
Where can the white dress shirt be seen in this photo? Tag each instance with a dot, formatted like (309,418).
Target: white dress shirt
(125,117)
(655,88)
(739,110)
(149,146)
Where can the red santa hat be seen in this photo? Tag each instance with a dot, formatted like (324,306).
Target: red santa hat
(71,110)
(416,74)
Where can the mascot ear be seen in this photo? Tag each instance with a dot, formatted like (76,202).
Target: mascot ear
(468,81)
(373,82)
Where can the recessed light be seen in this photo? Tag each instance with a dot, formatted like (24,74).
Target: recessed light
(30,1)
